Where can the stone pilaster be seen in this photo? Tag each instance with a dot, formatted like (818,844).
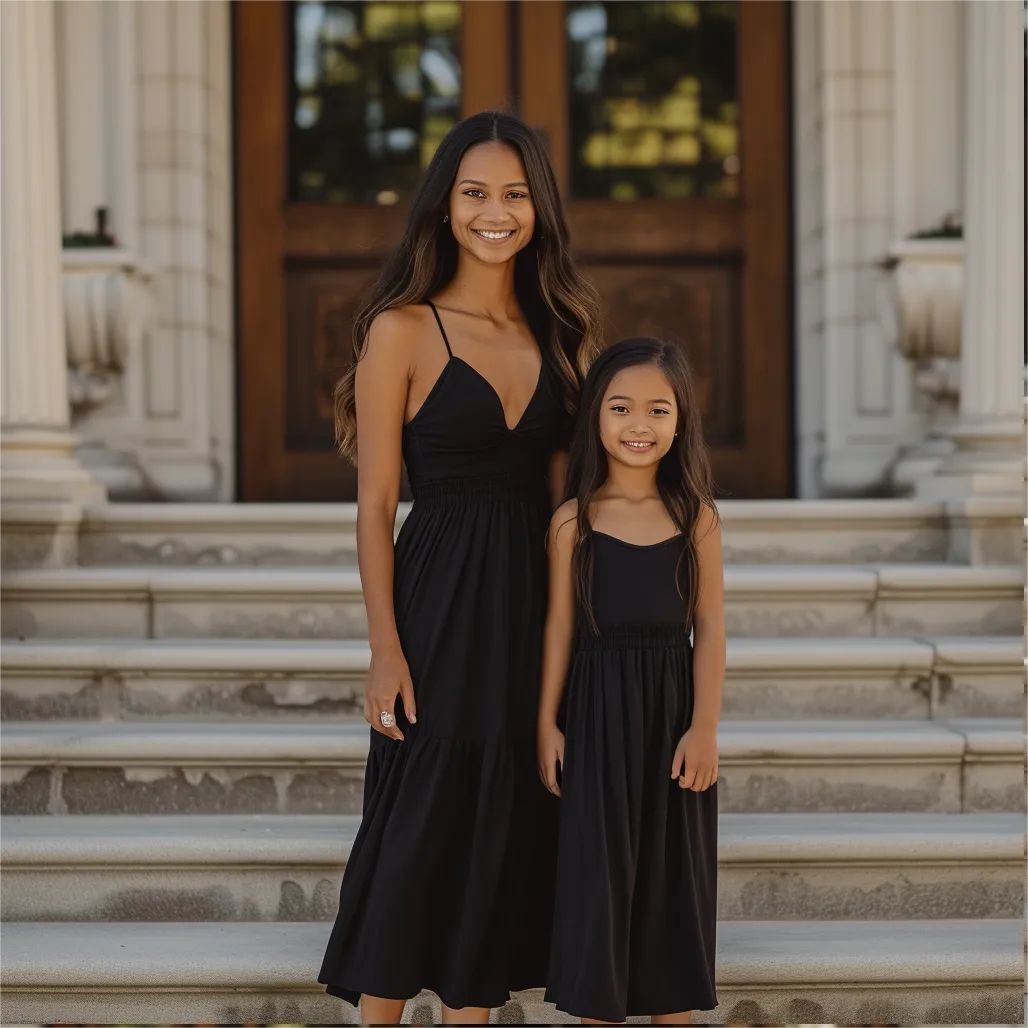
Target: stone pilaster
(989,434)
(37,450)
(983,480)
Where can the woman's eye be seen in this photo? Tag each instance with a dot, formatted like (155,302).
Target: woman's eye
(514,195)
(476,193)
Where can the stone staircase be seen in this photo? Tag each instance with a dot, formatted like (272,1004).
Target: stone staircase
(183,751)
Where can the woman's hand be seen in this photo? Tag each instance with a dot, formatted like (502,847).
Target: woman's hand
(388,677)
(695,761)
(550,752)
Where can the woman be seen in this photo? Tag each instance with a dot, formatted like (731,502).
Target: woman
(469,352)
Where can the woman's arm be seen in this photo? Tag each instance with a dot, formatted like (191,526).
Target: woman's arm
(382,380)
(557,477)
(698,747)
(560,623)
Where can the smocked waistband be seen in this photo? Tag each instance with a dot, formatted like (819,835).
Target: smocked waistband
(646,635)
(480,489)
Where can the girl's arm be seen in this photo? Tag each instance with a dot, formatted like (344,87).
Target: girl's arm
(382,380)
(697,749)
(560,623)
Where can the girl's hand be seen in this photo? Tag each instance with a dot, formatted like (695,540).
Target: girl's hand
(695,761)
(388,676)
(550,748)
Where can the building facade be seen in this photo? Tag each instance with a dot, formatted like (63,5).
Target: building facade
(744,177)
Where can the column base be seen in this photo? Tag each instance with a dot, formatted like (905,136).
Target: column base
(982,483)
(989,460)
(40,464)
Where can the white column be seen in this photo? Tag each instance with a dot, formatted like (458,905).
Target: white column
(97,92)
(37,451)
(990,455)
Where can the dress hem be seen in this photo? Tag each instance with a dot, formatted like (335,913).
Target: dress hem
(632,1011)
(353,996)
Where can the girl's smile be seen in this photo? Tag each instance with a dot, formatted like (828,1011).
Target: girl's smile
(638,445)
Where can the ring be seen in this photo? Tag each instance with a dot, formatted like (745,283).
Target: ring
(387,719)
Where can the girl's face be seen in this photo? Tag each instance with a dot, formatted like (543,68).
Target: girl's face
(639,416)
(491,211)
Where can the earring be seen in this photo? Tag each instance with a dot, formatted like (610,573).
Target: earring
(446,218)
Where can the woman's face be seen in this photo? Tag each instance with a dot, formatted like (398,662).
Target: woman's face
(491,210)
(639,416)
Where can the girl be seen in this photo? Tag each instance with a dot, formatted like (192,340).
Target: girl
(635,567)
(469,352)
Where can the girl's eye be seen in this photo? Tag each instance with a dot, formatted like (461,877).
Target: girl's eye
(659,410)
(515,195)
(476,193)
(619,408)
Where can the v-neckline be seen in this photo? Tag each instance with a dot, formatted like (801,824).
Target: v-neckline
(496,395)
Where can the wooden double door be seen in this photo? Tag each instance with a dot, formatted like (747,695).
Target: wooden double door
(667,125)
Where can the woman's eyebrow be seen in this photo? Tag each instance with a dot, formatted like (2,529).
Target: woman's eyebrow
(476,182)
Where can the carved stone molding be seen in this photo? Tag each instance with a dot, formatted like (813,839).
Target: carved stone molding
(107,305)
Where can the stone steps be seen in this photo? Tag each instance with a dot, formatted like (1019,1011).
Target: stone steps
(757,532)
(207,679)
(287,867)
(760,601)
(842,972)
(308,767)
(209,660)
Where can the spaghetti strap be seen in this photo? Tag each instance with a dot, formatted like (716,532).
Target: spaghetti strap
(439,322)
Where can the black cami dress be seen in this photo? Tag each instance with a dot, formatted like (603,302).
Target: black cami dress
(636,909)
(449,885)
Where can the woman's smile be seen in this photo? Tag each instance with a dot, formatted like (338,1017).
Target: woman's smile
(494,236)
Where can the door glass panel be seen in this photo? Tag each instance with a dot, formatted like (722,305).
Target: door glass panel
(374,88)
(654,101)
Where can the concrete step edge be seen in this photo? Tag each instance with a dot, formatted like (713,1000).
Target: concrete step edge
(279,955)
(789,579)
(203,841)
(745,655)
(294,743)
(866,511)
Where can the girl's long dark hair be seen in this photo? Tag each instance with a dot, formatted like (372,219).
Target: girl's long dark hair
(559,304)
(684,477)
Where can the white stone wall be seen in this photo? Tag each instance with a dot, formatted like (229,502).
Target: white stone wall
(152,80)
(877,155)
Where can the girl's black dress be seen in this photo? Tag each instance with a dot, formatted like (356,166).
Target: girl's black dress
(636,905)
(449,885)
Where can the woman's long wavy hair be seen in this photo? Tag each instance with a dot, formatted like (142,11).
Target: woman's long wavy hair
(684,477)
(558,302)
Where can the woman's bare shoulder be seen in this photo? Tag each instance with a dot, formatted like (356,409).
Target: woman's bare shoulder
(400,332)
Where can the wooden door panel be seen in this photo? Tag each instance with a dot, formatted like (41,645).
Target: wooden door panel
(321,304)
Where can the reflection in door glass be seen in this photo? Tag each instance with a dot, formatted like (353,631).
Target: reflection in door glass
(375,87)
(654,103)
